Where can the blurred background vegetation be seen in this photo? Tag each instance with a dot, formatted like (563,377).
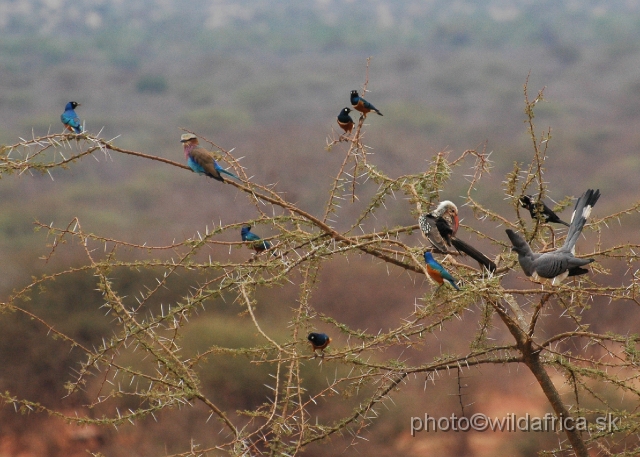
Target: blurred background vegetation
(268,78)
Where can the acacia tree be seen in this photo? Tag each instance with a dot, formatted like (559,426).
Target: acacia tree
(143,365)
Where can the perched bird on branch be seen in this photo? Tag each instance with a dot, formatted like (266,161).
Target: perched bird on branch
(360,104)
(70,119)
(319,341)
(440,227)
(344,120)
(202,161)
(258,245)
(437,271)
(540,210)
(557,265)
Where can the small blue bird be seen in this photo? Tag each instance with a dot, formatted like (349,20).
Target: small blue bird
(437,271)
(360,104)
(202,161)
(319,341)
(70,119)
(248,235)
(344,120)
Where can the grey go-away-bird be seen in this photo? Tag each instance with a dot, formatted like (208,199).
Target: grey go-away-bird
(558,264)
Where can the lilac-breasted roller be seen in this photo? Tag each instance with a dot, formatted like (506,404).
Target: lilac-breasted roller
(70,119)
(200,160)
(437,271)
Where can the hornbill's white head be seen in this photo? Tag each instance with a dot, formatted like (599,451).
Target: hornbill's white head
(449,212)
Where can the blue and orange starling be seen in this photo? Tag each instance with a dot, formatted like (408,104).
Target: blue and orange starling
(344,120)
(258,244)
(360,104)
(70,119)
(319,341)
(437,271)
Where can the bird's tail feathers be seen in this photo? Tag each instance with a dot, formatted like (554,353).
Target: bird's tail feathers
(576,271)
(474,254)
(222,170)
(581,212)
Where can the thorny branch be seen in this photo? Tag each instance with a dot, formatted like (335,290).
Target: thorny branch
(366,366)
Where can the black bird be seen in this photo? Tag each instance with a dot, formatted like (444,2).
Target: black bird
(539,209)
(557,265)
(445,220)
(319,341)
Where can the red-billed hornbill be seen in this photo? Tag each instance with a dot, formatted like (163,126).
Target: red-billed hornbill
(558,264)
(444,219)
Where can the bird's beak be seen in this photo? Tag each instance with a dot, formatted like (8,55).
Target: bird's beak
(456,223)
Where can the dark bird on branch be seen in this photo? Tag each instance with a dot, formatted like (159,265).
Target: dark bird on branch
(557,265)
(440,227)
(319,341)
(344,120)
(258,244)
(70,119)
(360,104)
(540,210)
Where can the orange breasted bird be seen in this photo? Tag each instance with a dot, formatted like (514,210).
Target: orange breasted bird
(319,341)
(437,271)
(360,104)
(344,120)
(70,119)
